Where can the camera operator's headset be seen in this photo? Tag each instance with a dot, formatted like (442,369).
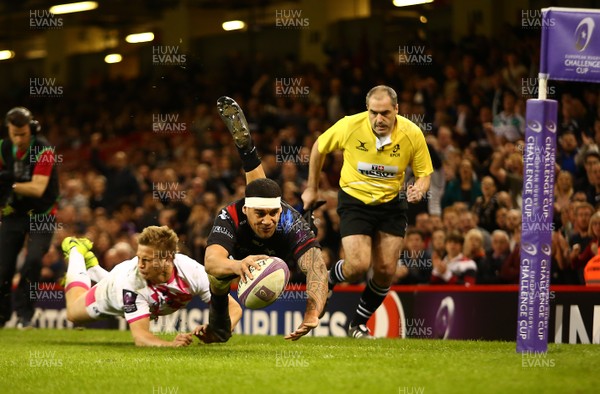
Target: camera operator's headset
(22,113)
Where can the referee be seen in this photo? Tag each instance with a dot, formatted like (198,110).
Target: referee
(28,195)
(378,146)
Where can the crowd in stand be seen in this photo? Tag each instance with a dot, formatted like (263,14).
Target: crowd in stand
(129,172)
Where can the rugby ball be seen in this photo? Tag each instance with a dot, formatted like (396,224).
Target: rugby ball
(268,283)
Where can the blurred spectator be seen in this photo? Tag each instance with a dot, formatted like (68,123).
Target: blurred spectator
(578,261)
(508,124)
(513,72)
(335,107)
(72,194)
(560,269)
(501,215)
(438,243)
(468,221)
(511,267)
(423,224)
(509,175)
(455,268)
(488,269)
(199,224)
(573,115)
(513,225)
(563,190)
(291,195)
(121,251)
(584,183)
(581,237)
(98,193)
(473,246)
(121,184)
(414,265)
(486,205)
(567,151)
(52,266)
(464,188)
(450,218)
(593,190)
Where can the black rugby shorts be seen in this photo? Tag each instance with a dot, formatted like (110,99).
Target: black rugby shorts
(356,217)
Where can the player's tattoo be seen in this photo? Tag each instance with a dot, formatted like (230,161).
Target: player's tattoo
(313,266)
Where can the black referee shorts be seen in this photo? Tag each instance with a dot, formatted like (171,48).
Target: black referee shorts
(356,217)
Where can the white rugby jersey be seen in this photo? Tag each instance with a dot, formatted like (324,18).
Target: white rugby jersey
(125,293)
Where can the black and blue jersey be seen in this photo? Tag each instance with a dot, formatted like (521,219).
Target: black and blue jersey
(292,238)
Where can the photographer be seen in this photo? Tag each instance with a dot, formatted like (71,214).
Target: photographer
(28,198)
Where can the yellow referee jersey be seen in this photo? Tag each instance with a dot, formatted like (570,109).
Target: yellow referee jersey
(373,175)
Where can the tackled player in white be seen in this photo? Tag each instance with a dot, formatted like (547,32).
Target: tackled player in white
(156,282)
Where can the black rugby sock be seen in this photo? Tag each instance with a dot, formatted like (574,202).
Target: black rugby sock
(219,302)
(249,158)
(336,275)
(370,300)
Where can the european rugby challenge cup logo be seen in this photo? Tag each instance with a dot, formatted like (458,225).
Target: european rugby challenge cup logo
(583,33)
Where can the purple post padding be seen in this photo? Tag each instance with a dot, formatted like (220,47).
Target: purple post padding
(570,49)
(536,230)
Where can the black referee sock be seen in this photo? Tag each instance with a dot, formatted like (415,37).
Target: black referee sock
(370,300)
(249,158)
(336,275)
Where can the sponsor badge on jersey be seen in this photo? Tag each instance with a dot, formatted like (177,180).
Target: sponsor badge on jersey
(129,298)
(377,170)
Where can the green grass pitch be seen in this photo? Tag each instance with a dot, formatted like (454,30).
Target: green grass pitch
(105,361)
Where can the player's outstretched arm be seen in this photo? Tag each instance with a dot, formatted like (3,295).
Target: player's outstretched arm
(312,264)
(315,164)
(218,264)
(140,330)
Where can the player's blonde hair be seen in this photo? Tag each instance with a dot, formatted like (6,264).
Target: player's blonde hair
(161,238)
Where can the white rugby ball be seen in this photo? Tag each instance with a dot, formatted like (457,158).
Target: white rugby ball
(268,283)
